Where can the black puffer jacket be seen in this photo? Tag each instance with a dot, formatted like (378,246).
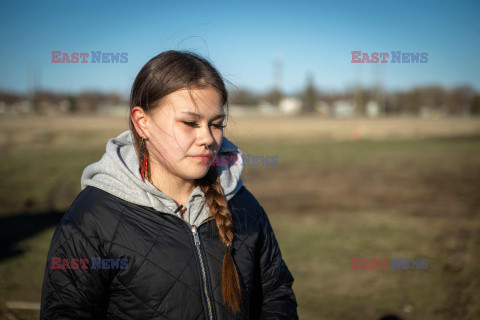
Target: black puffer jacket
(143,263)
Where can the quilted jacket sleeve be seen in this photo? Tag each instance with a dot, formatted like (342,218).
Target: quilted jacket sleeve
(71,288)
(279,300)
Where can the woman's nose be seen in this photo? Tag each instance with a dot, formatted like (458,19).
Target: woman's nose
(205,135)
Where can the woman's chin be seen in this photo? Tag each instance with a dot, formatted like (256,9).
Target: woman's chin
(196,171)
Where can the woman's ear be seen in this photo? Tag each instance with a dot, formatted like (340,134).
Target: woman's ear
(138,116)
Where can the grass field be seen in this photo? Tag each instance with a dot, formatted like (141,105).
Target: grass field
(344,188)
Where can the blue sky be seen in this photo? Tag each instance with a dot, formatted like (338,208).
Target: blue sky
(242,39)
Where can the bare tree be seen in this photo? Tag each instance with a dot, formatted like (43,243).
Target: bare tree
(310,95)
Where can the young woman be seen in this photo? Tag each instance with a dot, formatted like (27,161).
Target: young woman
(164,227)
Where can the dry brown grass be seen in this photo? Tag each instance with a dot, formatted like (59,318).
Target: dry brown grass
(378,193)
(315,127)
(27,130)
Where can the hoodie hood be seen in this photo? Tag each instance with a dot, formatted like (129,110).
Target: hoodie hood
(117,173)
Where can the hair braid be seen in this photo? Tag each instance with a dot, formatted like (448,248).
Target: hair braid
(218,205)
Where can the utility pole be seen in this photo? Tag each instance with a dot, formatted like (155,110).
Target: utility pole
(359,103)
(380,84)
(34,78)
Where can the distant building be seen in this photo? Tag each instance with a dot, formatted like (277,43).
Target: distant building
(290,105)
(372,109)
(344,108)
(14,104)
(325,109)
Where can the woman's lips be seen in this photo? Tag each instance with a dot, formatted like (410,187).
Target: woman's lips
(205,156)
(206,160)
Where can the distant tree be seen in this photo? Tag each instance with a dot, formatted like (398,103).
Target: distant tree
(413,107)
(362,96)
(390,106)
(401,102)
(73,103)
(475,105)
(310,95)
(458,99)
(432,96)
(274,96)
(243,97)
(113,98)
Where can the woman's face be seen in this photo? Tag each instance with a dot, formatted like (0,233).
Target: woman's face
(181,127)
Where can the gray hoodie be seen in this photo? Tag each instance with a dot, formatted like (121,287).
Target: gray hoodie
(117,173)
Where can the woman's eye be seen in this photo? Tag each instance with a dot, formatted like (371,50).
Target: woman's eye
(191,124)
(194,124)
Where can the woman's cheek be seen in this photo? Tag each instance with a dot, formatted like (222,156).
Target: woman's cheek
(218,138)
(184,137)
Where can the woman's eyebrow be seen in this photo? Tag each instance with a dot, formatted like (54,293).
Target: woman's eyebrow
(196,115)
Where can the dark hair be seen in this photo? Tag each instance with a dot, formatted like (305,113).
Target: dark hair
(164,74)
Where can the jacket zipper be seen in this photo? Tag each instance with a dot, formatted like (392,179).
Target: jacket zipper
(198,251)
(204,273)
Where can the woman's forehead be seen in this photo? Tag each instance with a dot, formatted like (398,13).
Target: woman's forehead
(197,115)
(196,103)
(210,111)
